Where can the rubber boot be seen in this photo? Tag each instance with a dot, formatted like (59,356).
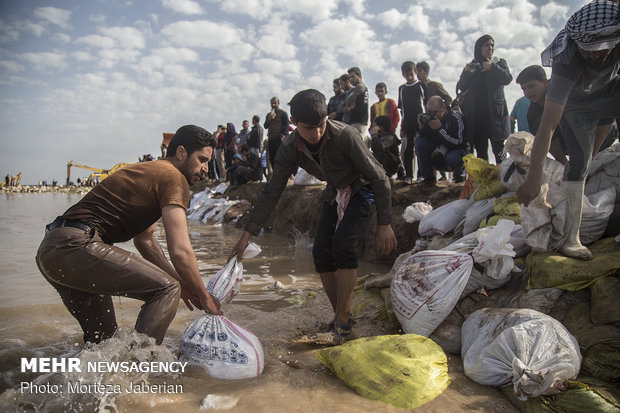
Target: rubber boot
(572,247)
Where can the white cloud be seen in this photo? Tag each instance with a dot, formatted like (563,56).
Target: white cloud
(127,37)
(82,56)
(554,11)
(414,17)
(35,28)
(54,15)
(347,35)
(202,33)
(97,18)
(413,50)
(356,6)
(8,32)
(277,67)
(95,40)
(183,6)
(45,60)
(62,37)
(455,5)
(11,66)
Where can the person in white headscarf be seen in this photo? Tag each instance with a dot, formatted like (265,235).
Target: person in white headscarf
(583,97)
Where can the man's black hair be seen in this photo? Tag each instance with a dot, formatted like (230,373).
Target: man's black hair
(336,80)
(244,148)
(355,70)
(407,66)
(344,77)
(381,85)
(534,72)
(192,138)
(425,67)
(385,124)
(309,106)
(256,118)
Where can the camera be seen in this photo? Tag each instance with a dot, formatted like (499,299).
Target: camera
(426,117)
(475,66)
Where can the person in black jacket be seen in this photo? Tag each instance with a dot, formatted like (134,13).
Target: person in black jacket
(484,107)
(441,144)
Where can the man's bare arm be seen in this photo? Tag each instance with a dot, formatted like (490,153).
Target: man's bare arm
(183,258)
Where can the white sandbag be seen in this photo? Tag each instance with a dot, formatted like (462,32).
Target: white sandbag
(491,248)
(426,287)
(476,213)
(444,219)
(304,178)
(225,349)
(220,189)
(605,171)
(226,283)
(517,240)
(529,349)
(417,211)
(597,208)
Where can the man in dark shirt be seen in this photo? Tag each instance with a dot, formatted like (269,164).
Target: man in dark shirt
(533,82)
(583,96)
(440,144)
(357,102)
(276,123)
(78,258)
(356,187)
(255,141)
(334,101)
(412,97)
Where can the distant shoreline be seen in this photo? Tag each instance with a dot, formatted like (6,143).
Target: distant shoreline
(25,189)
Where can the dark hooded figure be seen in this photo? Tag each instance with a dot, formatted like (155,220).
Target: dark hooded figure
(484,107)
(230,143)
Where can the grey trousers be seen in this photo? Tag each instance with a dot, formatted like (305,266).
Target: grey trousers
(86,272)
(579,122)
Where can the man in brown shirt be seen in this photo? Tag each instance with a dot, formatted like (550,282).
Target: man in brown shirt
(78,258)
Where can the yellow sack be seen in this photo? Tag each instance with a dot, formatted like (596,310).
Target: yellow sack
(506,207)
(551,269)
(405,371)
(485,176)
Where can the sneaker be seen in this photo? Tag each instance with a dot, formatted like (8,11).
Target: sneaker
(407,181)
(427,182)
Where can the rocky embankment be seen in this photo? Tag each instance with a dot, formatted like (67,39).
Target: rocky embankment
(21,189)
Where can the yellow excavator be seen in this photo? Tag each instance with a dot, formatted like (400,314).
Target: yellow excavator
(98,174)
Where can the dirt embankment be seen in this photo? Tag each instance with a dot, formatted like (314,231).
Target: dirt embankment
(299,209)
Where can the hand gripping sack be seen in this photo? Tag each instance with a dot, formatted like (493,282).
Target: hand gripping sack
(529,349)
(426,287)
(225,349)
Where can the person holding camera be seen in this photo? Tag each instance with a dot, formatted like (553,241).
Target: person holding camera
(483,102)
(440,144)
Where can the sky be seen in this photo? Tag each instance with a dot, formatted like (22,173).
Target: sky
(99,81)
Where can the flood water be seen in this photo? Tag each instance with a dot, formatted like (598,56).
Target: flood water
(34,323)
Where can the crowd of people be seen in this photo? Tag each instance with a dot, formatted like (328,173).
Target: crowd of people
(78,258)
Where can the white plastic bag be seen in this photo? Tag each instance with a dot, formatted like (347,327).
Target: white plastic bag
(444,219)
(605,171)
(426,287)
(226,283)
(304,178)
(225,349)
(491,248)
(533,351)
(417,211)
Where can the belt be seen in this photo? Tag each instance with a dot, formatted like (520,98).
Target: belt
(66,223)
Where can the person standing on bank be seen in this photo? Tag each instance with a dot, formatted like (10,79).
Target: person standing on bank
(484,107)
(276,123)
(356,185)
(78,258)
(583,97)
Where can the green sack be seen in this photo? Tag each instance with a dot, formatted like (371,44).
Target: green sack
(602,361)
(584,395)
(551,269)
(605,308)
(405,371)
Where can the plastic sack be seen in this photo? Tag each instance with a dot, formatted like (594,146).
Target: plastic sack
(444,219)
(485,176)
(405,371)
(426,287)
(529,349)
(548,269)
(476,213)
(304,178)
(492,248)
(226,283)
(225,349)
(605,171)
(416,211)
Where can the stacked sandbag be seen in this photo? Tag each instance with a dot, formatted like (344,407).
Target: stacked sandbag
(485,177)
(405,371)
(444,219)
(223,348)
(530,350)
(604,171)
(427,285)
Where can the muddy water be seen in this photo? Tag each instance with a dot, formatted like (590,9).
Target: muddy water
(34,323)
